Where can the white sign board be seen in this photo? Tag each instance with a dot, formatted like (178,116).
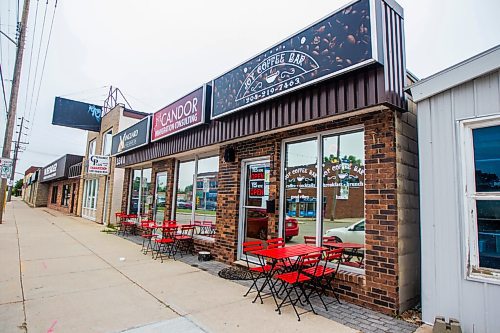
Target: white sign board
(98,165)
(5,168)
(206,185)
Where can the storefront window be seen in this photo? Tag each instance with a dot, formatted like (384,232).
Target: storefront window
(300,187)
(206,192)
(343,189)
(53,198)
(92,145)
(141,199)
(65,195)
(196,201)
(184,201)
(338,209)
(160,196)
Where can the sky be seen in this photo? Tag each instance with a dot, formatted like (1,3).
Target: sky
(157,51)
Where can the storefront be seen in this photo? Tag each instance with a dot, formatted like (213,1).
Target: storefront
(62,185)
(459,132)
(314,134)
(34,193)
(101,182)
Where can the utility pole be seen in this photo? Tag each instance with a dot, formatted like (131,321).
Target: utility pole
(17,144)
(11,116)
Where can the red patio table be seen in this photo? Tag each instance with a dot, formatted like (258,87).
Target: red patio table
(281,254)
(355,247)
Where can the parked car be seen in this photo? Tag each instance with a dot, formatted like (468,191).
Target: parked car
(160,202)
(183,204)
(257,222)
(354,233)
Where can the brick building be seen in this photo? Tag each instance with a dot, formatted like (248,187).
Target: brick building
(61,179)
(34,193)
(317,129)
(101,193)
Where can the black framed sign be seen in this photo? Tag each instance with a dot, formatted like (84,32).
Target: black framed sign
(340,42)
(130,138)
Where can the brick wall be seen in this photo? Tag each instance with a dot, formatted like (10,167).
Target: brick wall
(59,184)
(408,207)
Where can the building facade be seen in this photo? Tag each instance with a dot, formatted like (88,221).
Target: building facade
(318,129)
(459,148)
(101,193)
(35,194)
(61,179)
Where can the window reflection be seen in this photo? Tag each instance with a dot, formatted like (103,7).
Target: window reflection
(184,200)
(487,158)
(488,226)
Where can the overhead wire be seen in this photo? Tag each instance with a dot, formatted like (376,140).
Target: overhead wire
(38,58)
(32,120)
(31,57)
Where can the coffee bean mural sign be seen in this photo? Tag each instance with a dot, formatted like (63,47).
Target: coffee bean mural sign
(333,45)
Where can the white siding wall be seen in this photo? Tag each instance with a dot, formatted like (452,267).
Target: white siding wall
(445,291)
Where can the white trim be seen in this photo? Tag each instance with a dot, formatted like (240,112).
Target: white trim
(479,65)
(470,198)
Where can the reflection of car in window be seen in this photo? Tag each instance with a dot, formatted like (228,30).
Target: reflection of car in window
(257,223)
(354,233)
(160,202)
(183,204)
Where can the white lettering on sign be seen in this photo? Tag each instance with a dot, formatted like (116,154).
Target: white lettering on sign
(50,171)
(98,164)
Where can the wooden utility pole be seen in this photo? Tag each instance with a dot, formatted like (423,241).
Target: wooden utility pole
(11,116)
(17,144)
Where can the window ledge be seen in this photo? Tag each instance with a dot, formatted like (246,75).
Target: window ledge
(348,274)
(494,278)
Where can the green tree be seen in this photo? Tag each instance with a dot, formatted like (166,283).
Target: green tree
(16,190)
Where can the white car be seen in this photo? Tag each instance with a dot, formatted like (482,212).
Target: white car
(354,233)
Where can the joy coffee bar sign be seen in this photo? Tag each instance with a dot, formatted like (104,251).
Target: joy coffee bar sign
(334,45)
(187,112)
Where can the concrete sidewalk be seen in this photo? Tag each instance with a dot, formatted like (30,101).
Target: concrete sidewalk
(61,274)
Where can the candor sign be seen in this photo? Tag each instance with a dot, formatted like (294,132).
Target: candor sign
(133,137)
(337,43)
(187,112)
(98,165)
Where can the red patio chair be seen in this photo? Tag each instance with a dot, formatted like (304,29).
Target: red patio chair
(128,224)
(185,241)
(166,243)
(258,272)
(279,242)
(147,228)
(119,216)
(295,281)
(310,240)
(323,275)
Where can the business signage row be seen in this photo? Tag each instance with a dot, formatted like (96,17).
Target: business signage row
(345,40)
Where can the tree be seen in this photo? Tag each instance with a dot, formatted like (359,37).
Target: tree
(16,190)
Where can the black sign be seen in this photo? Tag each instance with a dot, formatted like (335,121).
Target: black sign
(76,114)
(59,168)
(133,137)
(340,42)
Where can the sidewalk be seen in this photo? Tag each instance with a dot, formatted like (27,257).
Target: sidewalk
(74,281)
(78,279)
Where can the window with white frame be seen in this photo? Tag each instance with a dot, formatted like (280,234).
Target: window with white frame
(106,142)
(482,194)
(92,145)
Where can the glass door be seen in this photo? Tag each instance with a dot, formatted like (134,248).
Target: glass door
(160,196)
(90,199)
(254,193)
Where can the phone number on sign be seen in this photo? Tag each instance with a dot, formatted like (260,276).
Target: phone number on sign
(270,91)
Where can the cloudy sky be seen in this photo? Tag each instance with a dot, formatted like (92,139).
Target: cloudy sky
(156,51)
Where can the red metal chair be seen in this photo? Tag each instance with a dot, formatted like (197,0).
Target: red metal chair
(295,281)
(323,275)
(185,241)
(166,244)
(274,243)
(119,216)
(128,224)
(310,240)
(258,272)
(147,228)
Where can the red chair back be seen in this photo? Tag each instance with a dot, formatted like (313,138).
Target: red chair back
(147,223)
(252,246)
(275,243)
(187,230)
(331,239)
(332,255)
(310,240)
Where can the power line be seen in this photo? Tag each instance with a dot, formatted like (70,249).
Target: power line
(4,95)
(31,57)
(43,68)
(38,58)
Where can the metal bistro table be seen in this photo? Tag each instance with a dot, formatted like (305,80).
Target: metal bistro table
(281,254)
(355,251)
